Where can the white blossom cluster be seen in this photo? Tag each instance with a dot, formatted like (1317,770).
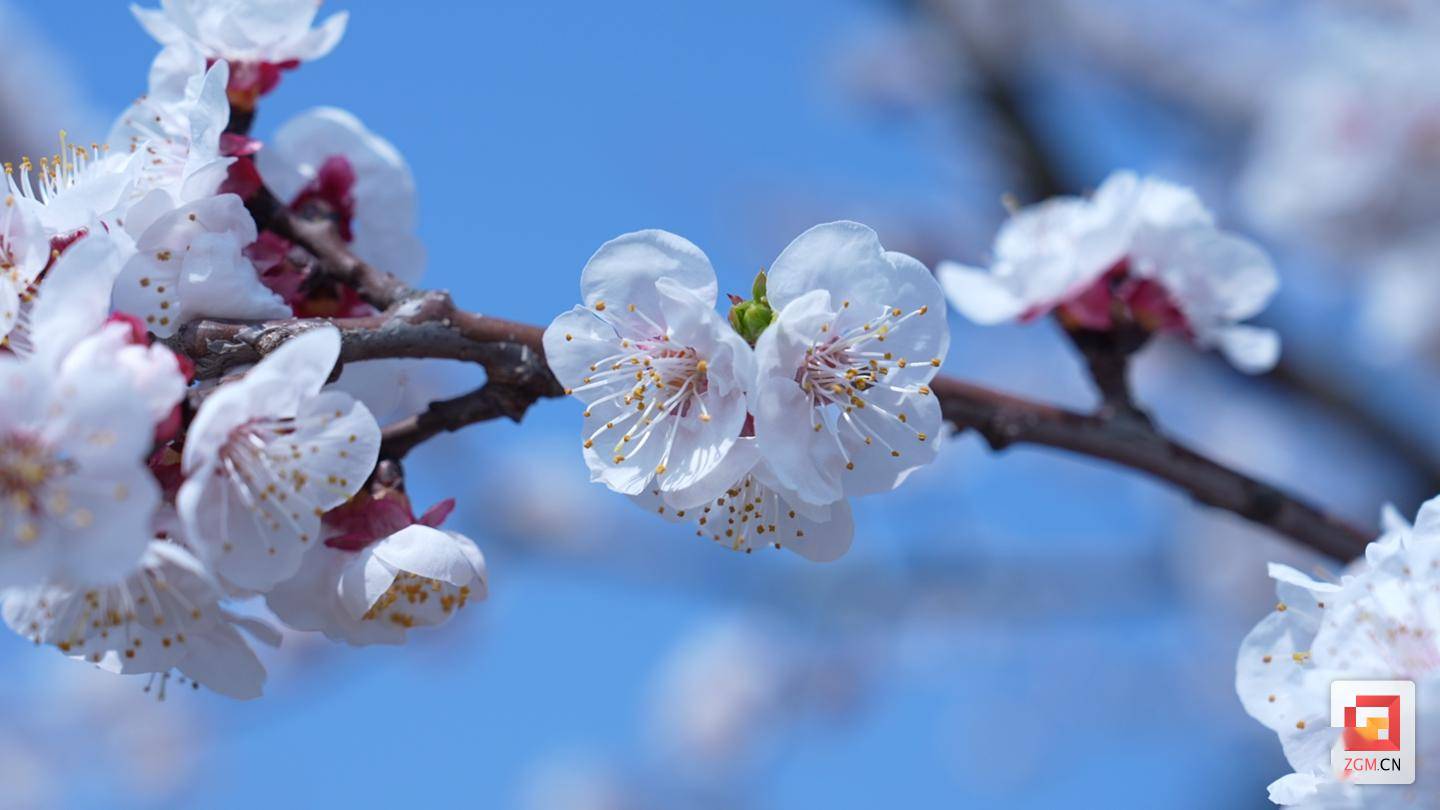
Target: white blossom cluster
(139,509)
(764,444)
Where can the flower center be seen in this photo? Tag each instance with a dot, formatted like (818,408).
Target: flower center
(28,473)
(1118,297)
(264,464)
(842,373)
(656,385)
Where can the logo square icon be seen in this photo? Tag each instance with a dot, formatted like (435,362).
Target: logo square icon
(1376,719)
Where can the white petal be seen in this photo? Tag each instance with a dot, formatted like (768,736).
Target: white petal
(434,554)
(574,342)
(275,387)
(75,297)
(624,270)
(804,460)
(1293,788)
(844,258)
(977,295)
(221,661)
(1250,349)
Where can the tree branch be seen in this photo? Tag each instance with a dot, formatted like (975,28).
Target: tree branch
(1005,420)
(427,324)
(517,378)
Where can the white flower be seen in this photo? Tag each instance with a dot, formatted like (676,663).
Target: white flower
(175,128)
(266,456)
(1379,621)
(75,496)
(189,263)
(165,616)
(1144,247)
(326,154)
(76,499)
(259,38)
(841,402)
(741,505)
(417,577)
(662,375)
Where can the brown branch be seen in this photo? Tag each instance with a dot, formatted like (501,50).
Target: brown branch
(1005,420)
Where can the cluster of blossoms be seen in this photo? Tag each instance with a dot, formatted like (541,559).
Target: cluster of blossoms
(758,428)
(1379,620)
(142,513)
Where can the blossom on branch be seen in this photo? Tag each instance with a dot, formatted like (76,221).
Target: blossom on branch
(842,402)
(1139,252)
(402,571)
(77,423)
(662,376)
(190,263)
(761,446)
(259,38)
(326,158)
(266,456)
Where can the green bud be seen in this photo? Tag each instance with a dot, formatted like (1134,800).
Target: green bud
(757,290)
(750,318)
(755,319)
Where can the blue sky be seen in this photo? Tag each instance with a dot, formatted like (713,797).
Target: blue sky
(536,131)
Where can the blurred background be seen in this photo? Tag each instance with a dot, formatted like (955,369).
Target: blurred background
(1021,630)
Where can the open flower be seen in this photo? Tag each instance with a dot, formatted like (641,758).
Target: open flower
(741,505)
(189,263)
(1379,620)
(175,128)
(841,400)
(259,38)
(165,616)
(77,421)
(266,456)
(1140,251)
(326,157)
(662,375)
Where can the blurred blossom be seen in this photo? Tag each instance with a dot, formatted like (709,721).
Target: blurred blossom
(532,493)
(732,691)
(1347,155)
(56,714)
(573,781)
(1398,300)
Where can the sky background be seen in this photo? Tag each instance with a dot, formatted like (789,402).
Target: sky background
(1075,644)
